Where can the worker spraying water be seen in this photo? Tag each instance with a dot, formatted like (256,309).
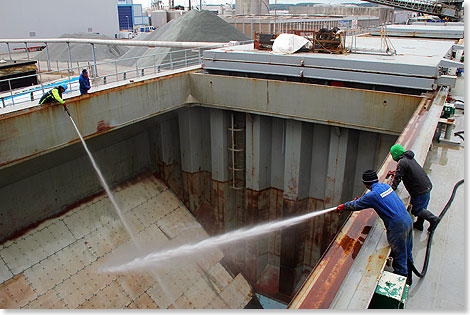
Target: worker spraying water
(397,221)
(381,198)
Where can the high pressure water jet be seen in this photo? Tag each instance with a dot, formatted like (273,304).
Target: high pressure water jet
(113,201)
(102,180)
(212,242)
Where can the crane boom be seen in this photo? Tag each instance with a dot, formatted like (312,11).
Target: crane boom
(450,9)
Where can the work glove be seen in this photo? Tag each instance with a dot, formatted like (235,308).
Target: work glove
(389,174)
(340,207)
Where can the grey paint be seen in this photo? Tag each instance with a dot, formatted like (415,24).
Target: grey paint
(422,83)
(47,128)
(352,157)
(194,131)
(292,159)
(367,142)
(336,165)
(277,153)
(354,62)
(42,194)
(292,155)
(320,145)
(366,110)
(168,143)
(219,124)
(306,153)
(258,152)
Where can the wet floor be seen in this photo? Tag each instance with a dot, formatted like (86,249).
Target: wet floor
(56,264)
(443,287)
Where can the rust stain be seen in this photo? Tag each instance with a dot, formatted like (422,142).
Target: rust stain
(16,292)
(102,126)
(325,280)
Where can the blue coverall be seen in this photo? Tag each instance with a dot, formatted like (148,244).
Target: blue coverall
(84,84)
(396,219)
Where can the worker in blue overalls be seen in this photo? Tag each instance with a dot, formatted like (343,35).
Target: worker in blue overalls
(397,221)
(84,82)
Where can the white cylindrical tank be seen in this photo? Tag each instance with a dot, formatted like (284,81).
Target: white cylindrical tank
(256,7)
(159,18)
(174,14)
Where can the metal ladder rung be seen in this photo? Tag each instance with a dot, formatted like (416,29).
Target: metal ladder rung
(236,169)
(235,150)
(235,129)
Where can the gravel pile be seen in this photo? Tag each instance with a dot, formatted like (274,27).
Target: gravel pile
(194,26)
(82,52)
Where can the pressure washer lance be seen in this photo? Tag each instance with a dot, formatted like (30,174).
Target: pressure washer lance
(431,234)
(66,109)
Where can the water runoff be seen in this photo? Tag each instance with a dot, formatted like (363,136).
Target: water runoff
(163,256)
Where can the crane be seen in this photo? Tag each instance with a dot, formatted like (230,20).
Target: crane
(450,9)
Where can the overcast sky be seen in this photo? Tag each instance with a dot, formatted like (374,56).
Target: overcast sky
(146,3)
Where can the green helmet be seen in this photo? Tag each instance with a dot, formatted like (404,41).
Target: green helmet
(397,151)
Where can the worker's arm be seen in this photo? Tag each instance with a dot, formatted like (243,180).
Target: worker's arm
(359,204)
(57,97)
(399,173)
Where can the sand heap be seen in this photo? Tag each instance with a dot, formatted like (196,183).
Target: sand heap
(82,52)
(194,26)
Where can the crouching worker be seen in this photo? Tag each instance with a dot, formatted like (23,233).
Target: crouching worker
(397,221)
(54,95)
(418,185)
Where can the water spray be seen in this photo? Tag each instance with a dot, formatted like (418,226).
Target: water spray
(113,201)
(102,180)
(212,242)
(187,249)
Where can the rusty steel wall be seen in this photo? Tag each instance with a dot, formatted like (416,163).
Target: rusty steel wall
(46,186)
(291,168)
(292,161)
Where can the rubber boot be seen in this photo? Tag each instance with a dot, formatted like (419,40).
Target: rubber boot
(431,218)
(419,224)
(409,278)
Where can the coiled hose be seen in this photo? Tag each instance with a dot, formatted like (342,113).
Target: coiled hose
(428,247)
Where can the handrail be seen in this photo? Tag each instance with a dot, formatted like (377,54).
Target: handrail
(192,56)
(121,42)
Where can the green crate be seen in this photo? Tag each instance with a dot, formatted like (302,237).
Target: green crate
(391,292)
(448,110)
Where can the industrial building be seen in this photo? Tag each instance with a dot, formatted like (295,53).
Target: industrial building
(20,19)
(228,138)
(130,15)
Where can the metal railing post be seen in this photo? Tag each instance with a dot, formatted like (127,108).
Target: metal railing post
(40,79)
(171,61)
(9,52)
(27,51)
(154,64)
(199,55)
(70,65)
(48,59)
(136,69)
(115,68)
(11,92)
(186,58)
(94,64)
